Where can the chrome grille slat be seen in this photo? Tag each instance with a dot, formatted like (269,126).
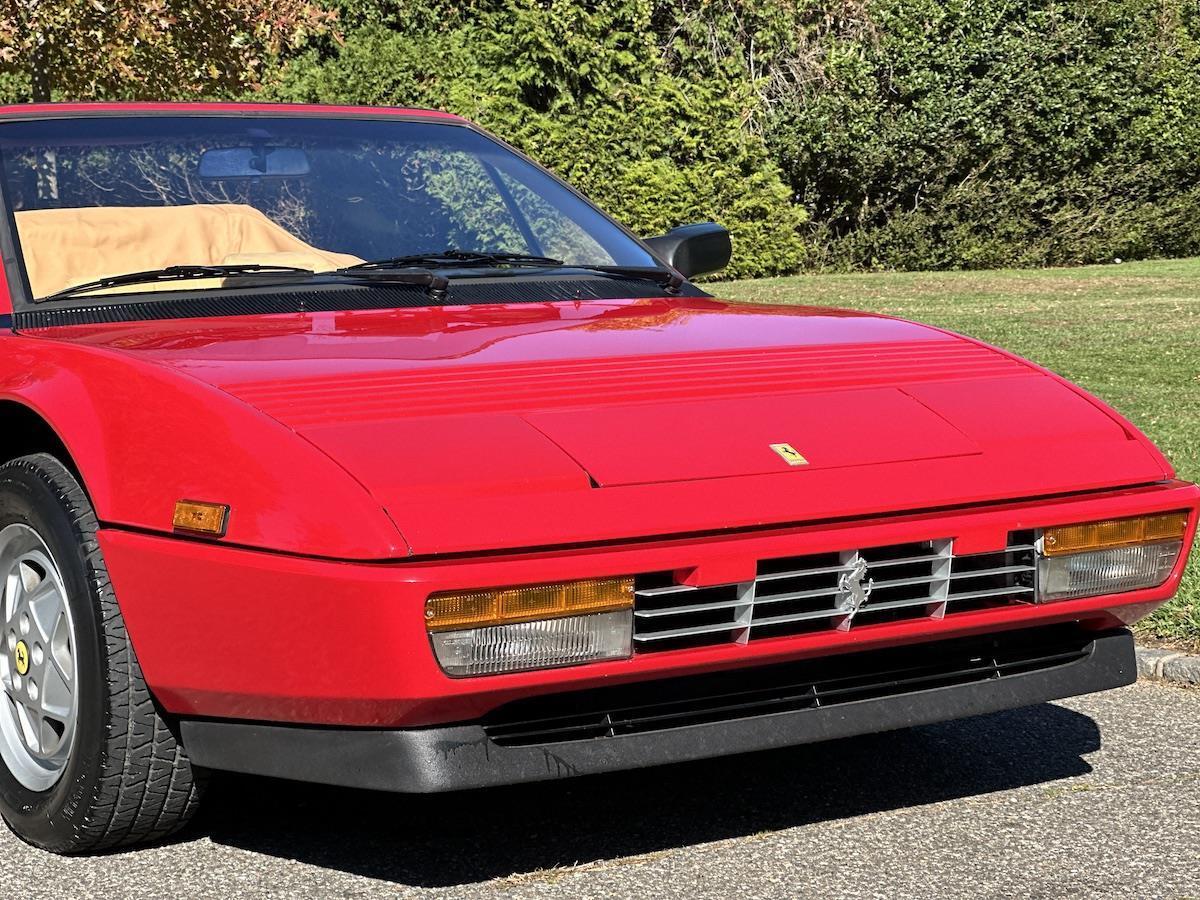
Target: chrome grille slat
(686,632)
(897,604)
(905,560)
(993,592)
(797,595)
(798,617)
(830,613)
(905,582)
(689,608)
(669,589)
(828,570)
(954,576)
(799,573)
(998,570)
(919,580)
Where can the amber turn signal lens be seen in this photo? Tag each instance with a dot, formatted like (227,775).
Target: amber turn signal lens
(1113,533)
(201,518)
(473,609)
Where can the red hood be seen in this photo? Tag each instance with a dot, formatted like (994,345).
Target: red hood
(524,425)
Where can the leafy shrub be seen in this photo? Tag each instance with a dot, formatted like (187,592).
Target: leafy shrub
(973,133)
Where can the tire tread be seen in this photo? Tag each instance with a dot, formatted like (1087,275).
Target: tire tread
(147,789)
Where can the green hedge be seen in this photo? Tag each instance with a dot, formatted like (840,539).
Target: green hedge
(984,133)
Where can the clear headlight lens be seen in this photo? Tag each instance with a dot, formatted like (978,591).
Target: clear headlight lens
(534,645)
(1109,557)
(1106,571)
(533,627)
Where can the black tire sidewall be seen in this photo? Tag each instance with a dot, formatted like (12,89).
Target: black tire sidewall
(54,817)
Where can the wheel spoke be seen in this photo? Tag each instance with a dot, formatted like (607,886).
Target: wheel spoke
(45,605)
(50,734)
(10,702)
(13,592)
(61,655)
(54,693)
(30,722)
(13,712)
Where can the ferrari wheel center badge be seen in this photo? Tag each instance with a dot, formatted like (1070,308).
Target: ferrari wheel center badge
(21,657)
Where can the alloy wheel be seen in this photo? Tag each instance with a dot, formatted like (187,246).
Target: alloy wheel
(39,703)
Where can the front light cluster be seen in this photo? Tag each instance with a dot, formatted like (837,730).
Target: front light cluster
(488,632)
(535,627)
(1109,557)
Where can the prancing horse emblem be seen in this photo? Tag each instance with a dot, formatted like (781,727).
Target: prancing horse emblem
(854,589)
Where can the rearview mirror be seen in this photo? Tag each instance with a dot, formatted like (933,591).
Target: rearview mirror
(252,162)
(693,250)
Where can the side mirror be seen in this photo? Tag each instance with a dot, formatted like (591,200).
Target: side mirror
(693,250)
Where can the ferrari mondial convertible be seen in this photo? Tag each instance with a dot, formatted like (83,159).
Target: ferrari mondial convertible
(351,446)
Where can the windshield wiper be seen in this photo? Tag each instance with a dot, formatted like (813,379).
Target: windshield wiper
(668,278)
(174,273)
(671,280)
(453,258)
(436,284)
(410,269)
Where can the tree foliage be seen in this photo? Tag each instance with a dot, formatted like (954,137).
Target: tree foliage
(146,49)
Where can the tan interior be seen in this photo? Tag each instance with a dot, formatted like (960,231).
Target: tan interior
(65,247)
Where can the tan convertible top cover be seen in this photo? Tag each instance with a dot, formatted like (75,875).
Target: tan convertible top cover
(65,247)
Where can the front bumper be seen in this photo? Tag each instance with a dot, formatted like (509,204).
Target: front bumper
(231,633)
(889,689)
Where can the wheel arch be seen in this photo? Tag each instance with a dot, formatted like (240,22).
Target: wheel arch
(25,430)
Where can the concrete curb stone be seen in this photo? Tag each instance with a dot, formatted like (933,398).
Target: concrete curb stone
(1168,665)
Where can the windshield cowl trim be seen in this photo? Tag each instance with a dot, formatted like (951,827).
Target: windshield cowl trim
(528,288)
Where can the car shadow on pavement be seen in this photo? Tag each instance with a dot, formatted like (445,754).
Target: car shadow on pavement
(453,839)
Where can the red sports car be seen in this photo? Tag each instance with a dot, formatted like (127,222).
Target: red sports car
(349,445)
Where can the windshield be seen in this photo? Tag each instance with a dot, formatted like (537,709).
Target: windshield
(94,198)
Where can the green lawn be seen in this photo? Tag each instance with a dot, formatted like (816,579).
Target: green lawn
(1130,333)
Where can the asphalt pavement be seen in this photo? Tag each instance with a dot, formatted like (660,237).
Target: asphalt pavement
(1097,796)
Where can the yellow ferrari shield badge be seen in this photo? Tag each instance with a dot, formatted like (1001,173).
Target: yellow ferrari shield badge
(789,454)
(21,657)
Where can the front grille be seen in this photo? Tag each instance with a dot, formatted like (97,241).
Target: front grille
(808,684)
(802,594)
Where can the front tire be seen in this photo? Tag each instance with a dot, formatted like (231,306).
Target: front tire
(87,762)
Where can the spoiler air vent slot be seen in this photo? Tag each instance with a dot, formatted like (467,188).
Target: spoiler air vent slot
(651,706)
